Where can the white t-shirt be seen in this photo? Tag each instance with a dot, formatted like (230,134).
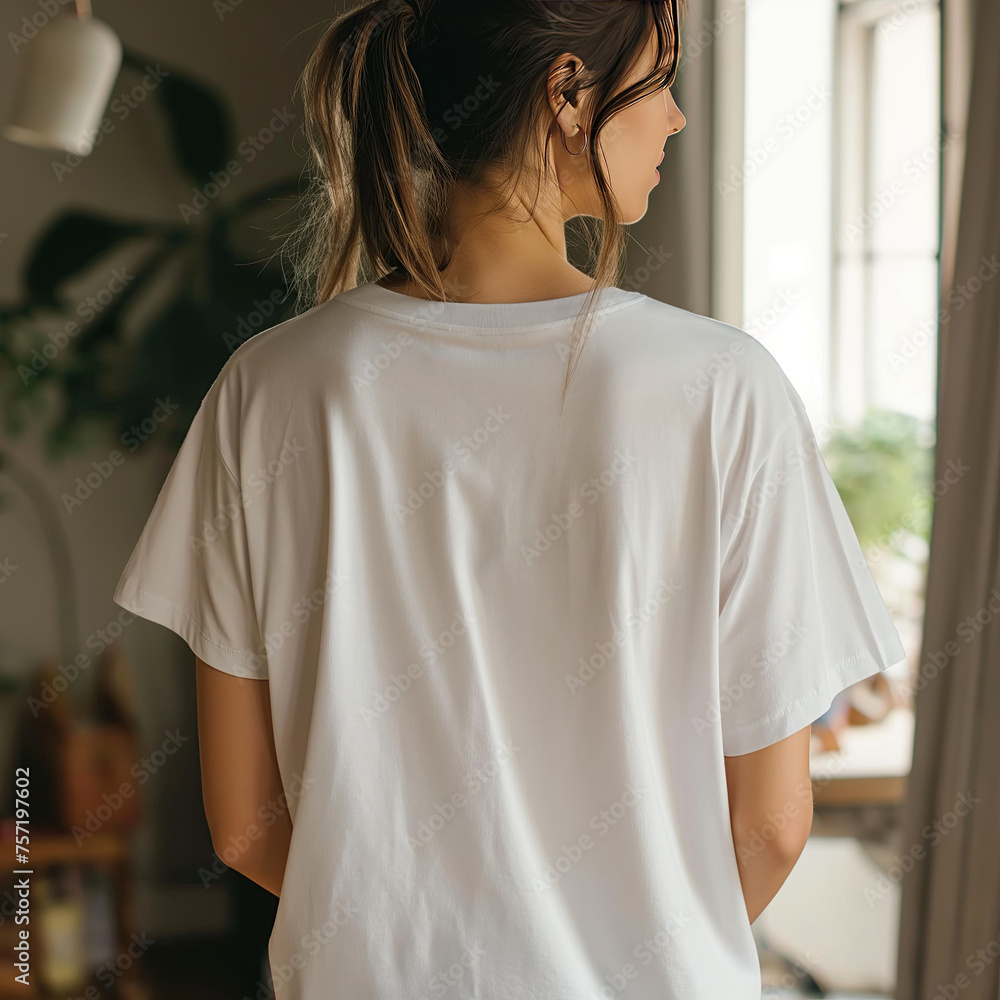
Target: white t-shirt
(508,648)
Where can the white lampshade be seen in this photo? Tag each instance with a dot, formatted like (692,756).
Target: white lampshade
(70,67)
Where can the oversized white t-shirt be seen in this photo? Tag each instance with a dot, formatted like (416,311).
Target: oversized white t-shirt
(508,648)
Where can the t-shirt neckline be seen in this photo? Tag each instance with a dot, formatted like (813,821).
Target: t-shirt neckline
(483,317)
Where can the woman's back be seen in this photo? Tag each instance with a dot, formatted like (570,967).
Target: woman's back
(508,647)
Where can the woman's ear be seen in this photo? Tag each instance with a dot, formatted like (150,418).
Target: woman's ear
(564,92)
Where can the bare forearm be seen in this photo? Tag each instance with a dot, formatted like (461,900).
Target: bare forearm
(771,813)
(263,860)
(763,871)
(246,807)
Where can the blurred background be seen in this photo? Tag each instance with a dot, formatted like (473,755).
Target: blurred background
(834,193)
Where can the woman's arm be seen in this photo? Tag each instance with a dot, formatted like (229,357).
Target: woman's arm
(771,812)
(244,800)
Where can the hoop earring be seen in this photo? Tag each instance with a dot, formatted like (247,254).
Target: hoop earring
(586,142)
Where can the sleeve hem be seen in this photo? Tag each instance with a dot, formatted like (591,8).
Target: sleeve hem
(809,707)
(154,608)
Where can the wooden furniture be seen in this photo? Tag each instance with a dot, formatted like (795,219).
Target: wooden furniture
(105,850)
(859,790)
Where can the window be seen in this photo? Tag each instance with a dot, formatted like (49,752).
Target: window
(841,196)
(840,190)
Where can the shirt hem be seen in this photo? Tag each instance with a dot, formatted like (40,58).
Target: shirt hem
(809,707)
(160,610)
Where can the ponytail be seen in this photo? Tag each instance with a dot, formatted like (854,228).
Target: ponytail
(371,142)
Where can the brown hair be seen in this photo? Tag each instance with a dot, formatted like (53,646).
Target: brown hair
(404,99)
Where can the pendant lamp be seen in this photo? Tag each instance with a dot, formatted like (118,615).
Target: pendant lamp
(69,68)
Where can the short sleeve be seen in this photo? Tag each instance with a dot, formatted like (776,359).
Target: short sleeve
(190,569)
(800,615)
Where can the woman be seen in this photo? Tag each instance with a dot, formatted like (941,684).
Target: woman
(513,594)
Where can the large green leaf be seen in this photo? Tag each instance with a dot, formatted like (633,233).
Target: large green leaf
(199,126)
(69,246)
(179,357)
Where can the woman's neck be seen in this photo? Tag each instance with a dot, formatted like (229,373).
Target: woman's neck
(513,255)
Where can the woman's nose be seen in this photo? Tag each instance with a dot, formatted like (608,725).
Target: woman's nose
(675,116)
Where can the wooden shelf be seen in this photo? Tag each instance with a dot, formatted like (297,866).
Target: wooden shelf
(55,847)
(884,790)
(106,850)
